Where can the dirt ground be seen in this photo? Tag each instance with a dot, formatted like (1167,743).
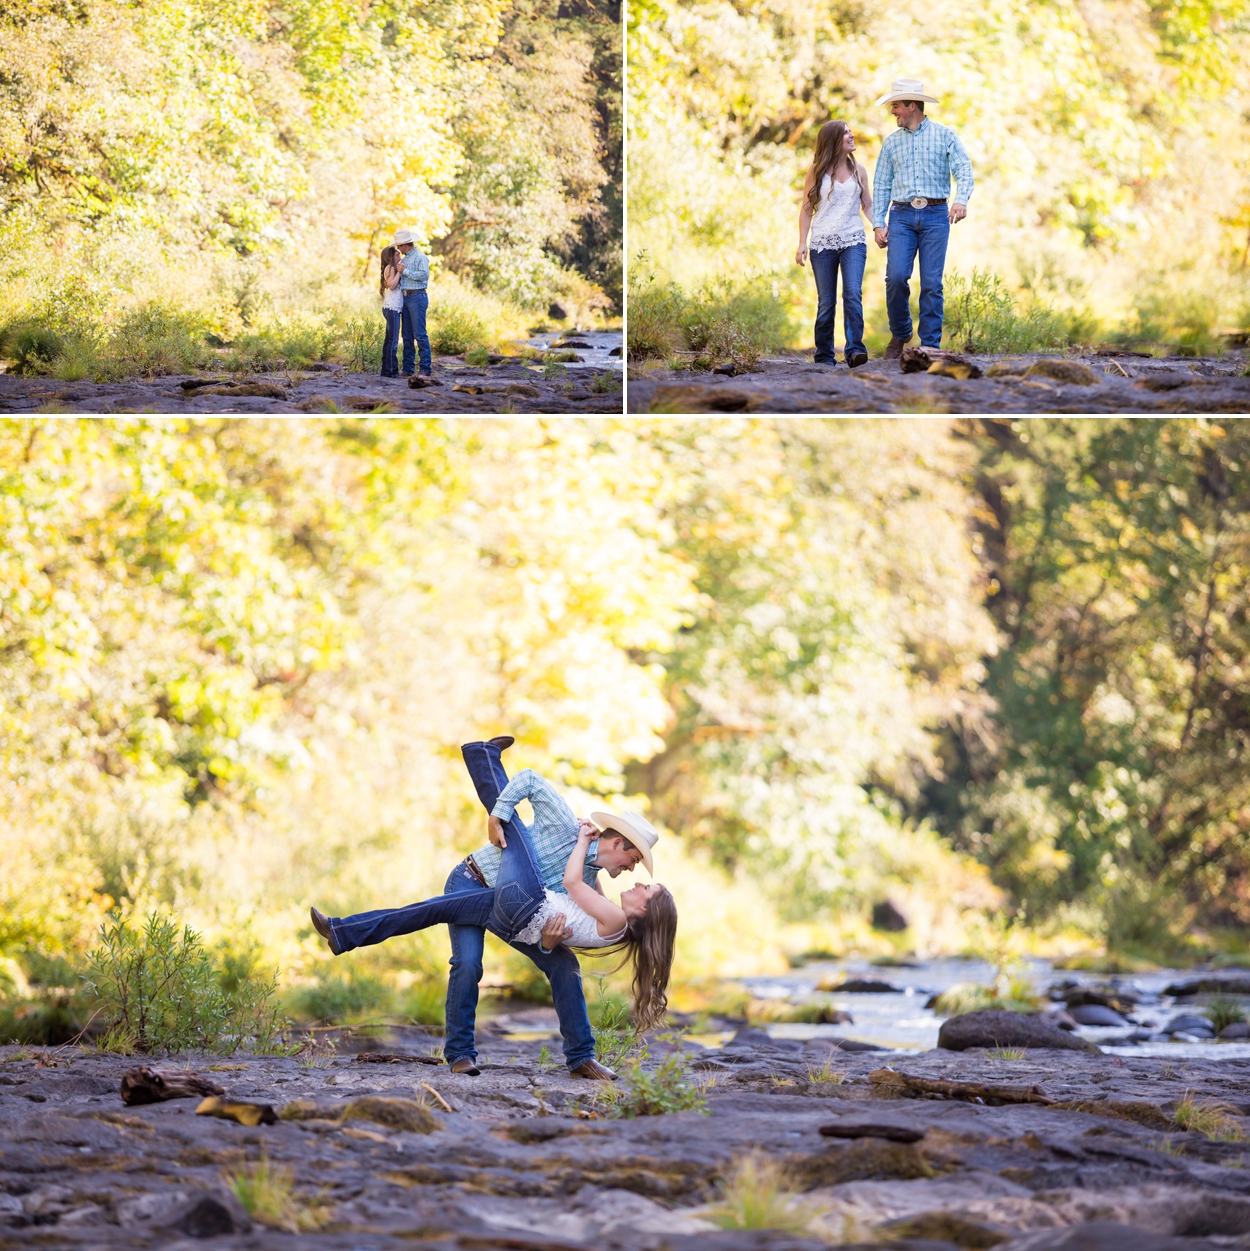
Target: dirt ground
(1060,1151)
(508,387)
(1119,382)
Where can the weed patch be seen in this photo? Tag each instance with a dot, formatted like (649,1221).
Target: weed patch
(1224,1011)
(267,1193)
(757,1195)
(668,1088)
(983,316)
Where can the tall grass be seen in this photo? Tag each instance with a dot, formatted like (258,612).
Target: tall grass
(982,315)
(722,320)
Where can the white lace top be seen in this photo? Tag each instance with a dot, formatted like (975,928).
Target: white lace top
(585,928)
(836,224)
(394,300)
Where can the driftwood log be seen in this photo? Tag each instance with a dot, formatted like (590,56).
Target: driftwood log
(145,1085)
(970,1091)
(387,1057)
(919,360)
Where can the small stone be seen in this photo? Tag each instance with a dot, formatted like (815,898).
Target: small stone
(1062,371)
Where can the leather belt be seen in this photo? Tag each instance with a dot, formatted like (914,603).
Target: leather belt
(474,872)
(918,203)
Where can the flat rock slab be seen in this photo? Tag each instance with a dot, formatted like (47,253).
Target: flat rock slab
(511,386)
(1024,383)
(531,1160)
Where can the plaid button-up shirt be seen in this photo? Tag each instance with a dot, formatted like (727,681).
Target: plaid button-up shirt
(920,162)
(416,271)
(553,834)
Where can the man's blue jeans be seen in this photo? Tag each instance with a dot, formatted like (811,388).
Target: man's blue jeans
(925,231)
(413,322)
(825,266)
(467,942)
(390,363)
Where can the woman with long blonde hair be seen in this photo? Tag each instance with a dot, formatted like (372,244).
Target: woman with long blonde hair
(831,232)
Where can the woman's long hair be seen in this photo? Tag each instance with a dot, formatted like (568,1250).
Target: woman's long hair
(648,943)
(388,259)
(830,142)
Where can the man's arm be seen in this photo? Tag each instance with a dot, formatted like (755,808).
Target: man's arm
(961,170)
(882,187)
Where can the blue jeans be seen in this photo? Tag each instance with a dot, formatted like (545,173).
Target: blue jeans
(467,941)
(505,909)
(825,265)
(413,322)
(925,231)
(390,344)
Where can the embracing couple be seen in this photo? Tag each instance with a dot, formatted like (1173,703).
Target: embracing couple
(537,888)
(911,185)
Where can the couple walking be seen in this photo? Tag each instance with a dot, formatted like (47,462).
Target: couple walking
(538,889)
(911,185)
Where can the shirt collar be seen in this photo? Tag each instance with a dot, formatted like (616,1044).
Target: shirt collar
(924,121)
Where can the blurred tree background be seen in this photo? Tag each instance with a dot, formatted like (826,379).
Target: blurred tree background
(239,164)
(978,671)
(1109,138)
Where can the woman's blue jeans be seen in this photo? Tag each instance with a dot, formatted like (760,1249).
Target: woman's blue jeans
(924,231)
(825,266)
(390,344)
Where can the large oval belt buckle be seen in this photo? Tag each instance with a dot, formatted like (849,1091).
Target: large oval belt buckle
(920,202)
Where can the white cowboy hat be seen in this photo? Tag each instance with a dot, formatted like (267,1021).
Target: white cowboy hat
(633,827)
(907,89)
(404,236)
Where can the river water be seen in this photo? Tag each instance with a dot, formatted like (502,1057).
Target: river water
(595,355)
(901,1020)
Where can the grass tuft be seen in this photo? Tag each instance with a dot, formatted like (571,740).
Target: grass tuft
(1206,1118)
(1006,1053)
(826,1075)
(267,1193)
(757,1195)
(1224,1010)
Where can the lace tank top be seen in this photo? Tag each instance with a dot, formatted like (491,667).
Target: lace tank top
(836,224)
(585,928)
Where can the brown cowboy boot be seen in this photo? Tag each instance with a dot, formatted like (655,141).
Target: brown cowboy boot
(594,1071)
(894,349)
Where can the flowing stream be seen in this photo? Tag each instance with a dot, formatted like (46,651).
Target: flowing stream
(593,346)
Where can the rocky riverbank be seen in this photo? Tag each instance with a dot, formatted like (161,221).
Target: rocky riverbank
(1030,1150)
(510,385)
(1109,381)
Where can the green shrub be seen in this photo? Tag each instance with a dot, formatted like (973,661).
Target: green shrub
(162,990)
(31,346)
(149,341)
(606,382)
(361,344)
(337,997)
(425,1003)
(478,356)
(615,1036)
(456,328)
(981,315)
(668,1088)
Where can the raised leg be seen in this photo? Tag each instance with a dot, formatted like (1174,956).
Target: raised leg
(367,928)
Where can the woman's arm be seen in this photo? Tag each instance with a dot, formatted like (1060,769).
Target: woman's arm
(805,221)
(865,197)
(391,277)
(611,917)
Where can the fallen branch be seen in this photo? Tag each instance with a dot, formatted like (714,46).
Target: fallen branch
(442,1102)
(145,1085)
(388,1057)
(970,1091)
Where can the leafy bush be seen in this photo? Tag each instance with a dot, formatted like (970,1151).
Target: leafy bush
(336,997)
(615,1036)
(455,327)
(149,341)
(606,382)
(668,1088)
(163,991)
(478,356)
(31,346)
(981,316)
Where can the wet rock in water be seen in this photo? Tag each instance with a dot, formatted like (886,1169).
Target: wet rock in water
(615,352)
(1234,985)
(146,1085)
(887,916)
(557,311)
(1096,1014)
(1072,372)
(1060,1018)
(859,986)
(993,1027)
(1238,1029)
(1188,1023)
(1121,1001)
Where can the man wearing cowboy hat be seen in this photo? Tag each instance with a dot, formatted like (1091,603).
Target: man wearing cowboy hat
(913,183)
(413,280)
(626,841)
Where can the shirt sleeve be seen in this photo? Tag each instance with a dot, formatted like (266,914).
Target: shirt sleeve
(520,787)
(961,168)
(882,186)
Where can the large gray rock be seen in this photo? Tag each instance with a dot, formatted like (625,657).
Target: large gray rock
(1096,1014)
(992,1027)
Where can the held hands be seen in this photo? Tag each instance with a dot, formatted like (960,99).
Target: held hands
(958,213)
(554,932)
(587,831)
(494,831)
(882,236)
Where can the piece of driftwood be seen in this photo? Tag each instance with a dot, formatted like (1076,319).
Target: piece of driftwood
(388,1057)
(240,1110)
(918,360)
(872,1129)
(971,1091)
(145,1085)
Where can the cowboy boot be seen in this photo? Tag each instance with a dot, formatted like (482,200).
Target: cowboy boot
(321,924)
(894,349)
(593,1071)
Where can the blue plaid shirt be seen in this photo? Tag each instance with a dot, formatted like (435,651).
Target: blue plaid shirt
(920,162)
(416,271)
(553,834)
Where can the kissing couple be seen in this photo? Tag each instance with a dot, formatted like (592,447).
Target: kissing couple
(538,889)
